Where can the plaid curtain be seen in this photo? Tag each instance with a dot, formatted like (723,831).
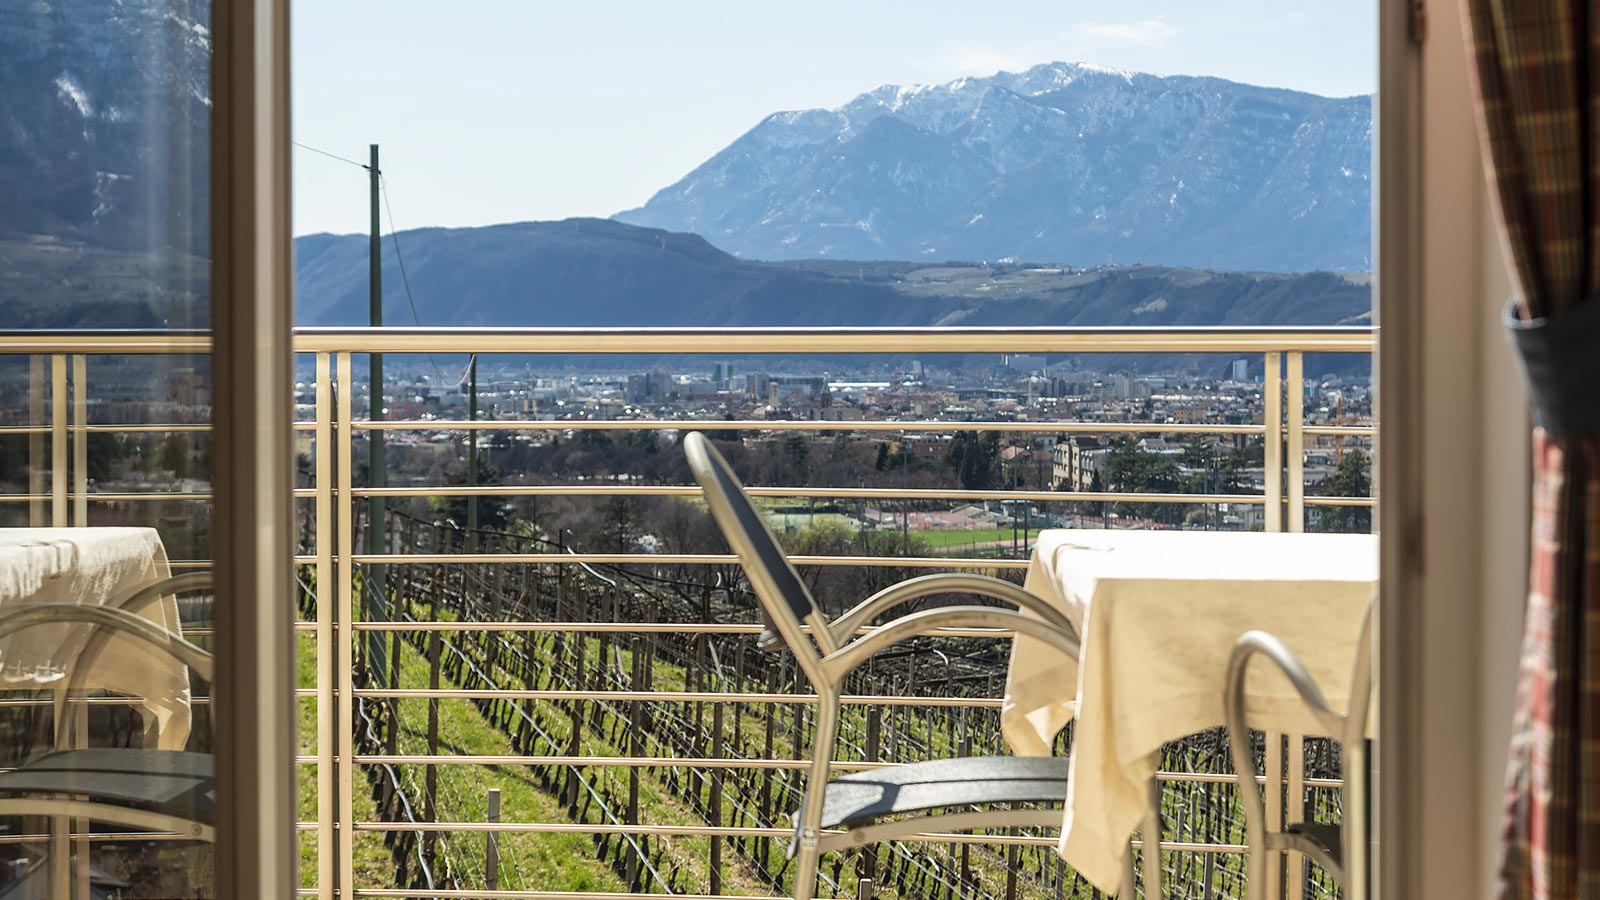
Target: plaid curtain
(1537,74)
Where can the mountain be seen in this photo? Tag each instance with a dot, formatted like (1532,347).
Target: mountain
(595,272)
(105,110)
(1065,161)
(105,145)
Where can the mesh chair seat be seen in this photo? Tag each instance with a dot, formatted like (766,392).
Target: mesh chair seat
(861,797)
(1328,836)
(170,782)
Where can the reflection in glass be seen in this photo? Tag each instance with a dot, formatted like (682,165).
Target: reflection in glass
(105,458)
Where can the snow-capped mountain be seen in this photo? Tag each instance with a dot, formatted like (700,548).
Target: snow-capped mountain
(104,121)
(1064,162)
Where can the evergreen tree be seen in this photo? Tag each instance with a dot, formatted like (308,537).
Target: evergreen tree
(1349,480)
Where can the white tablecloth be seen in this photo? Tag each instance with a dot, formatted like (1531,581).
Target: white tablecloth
(1158,613)
(92,566)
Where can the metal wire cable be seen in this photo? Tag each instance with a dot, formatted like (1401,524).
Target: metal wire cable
(336,156)
(394,238)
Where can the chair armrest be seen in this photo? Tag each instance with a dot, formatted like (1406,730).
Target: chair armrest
(858,651)
(108,617)
(177,584)
(845,627)
(1260,643)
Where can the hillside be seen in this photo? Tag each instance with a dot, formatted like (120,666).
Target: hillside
(600,273)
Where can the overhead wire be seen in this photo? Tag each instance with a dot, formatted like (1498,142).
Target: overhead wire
(343,159)
(394,238)
(399,258)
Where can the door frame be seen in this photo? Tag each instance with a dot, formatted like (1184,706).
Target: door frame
(1452,479)
(252,282)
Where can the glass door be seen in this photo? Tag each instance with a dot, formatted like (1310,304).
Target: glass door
(121,549)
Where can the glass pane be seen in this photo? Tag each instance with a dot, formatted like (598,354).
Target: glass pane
(105,457)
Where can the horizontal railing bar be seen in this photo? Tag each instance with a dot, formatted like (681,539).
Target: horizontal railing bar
(1228,778)
(200,700)
(153,341)
(685,559)
(109,496)
(668,762)
(1341,430)
(663,696)
(143,429)
(618,490)
(807,425)
(675,490)
(463,894)
(731,425)
(104,429)
(677,831)
(618,628)
(124,496)
(616,762)
(791,425)
(736,831)
(641,762)
(103,837)
(921,341)
(639,627)
(1340,501)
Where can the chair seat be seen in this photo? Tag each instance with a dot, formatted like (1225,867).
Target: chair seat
(859,798)
(171,782)
(1328,837)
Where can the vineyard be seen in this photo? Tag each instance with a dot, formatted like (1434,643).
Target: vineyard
(636,740)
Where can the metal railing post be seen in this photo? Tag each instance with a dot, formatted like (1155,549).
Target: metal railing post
(1294,812)
(1274,804)
(327,813)
(38,474)
(1297,451)
(1150,837)
(344,645)
(1272,447)
(80,440)
(58,441)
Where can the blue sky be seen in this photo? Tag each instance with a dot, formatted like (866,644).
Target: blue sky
(508,110)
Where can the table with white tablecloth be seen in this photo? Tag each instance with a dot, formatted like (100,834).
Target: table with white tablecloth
(99,566)
(1158,613)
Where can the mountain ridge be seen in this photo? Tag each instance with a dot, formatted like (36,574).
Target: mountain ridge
(598,272)
(1063,161)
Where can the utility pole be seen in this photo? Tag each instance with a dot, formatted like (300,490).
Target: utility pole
(377,541)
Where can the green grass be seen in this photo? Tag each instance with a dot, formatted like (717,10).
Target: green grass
(940,539)
(563,862)
(373,864)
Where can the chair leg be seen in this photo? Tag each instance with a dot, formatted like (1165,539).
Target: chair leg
(805,874)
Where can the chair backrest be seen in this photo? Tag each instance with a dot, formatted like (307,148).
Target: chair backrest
(1360,708)
(776,584)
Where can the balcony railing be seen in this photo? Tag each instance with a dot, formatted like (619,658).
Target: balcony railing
(560,648)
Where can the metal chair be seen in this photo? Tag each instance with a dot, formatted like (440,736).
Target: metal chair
(861,805)
(153,790)
(1341,850)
